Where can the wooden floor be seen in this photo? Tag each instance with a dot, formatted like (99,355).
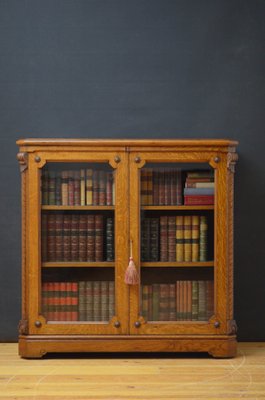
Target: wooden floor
(125,377)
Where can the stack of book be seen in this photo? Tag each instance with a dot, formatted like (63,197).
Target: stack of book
(78,187)
(199,188)
(161,187)
(184,300)
(77,237)
(78,301)
(181,238)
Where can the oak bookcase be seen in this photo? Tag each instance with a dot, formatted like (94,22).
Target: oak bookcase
(87,206)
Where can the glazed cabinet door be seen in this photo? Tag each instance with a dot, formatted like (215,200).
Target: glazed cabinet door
(76,256)
(179,238)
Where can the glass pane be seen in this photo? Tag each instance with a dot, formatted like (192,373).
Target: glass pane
(178,235)
(177,294)
(78,184)
(78,294)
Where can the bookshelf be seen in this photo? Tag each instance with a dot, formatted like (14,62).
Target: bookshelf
(87,206)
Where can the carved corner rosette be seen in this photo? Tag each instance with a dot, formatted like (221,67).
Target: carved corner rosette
(231,161)
(23,327)
(23,161)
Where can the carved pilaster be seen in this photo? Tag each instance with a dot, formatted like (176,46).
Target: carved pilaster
(23,161)
(231,161)
(23,327)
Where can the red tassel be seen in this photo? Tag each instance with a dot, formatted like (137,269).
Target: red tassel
(131,274)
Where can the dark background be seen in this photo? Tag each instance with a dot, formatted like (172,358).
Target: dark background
(136,69)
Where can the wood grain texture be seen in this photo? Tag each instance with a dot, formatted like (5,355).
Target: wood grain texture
(152,376)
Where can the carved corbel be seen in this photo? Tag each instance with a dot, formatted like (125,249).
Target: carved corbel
(23,327)
(231,161)
(23,161)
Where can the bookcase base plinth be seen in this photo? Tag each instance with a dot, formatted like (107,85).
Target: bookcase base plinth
(219,346)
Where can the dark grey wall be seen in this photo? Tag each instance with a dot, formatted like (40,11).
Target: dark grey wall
(142,68)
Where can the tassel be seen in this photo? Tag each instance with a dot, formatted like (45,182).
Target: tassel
(131,274)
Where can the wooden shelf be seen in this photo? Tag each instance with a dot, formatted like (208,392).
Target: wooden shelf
(77,264)
(73,208)
(182,208)
(160,264)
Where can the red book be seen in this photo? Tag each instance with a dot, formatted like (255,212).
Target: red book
(90,248)
(71,188)
(190,200)
(75,237)
(74,301)
(109,185)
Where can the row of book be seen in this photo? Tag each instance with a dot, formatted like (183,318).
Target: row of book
(181,238)
(161,187)
(78,301)
(199,188)
(184,300)
(78,187)
(77,237)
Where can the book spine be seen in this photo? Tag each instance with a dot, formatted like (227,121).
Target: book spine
(109,188)
(62,311)
(90,238)
(171,238)
(51,189)
(189,300)
(82,187)
(89,187)
(104,301)
(67,237)
(82,301)
(172,302)
(89,300)
(155,302)
(95,191)
(195,299)
(187,238)
(58,237)
(195,231)
(64,188)
(179,238)
(74,301)
(82,237)
(96,301)
(145,239)
(71,188)
(58,189)
(77,199)
(167,188)
(144,187)
(144,306)
(98,237)
(68,312)
(45,187)
(150,187)
(163,302)
(161,177)
(102,188)
(111,299)
(51,232)
(179,187)
(110,239)
(155,188)
(201,301)
(203,238)
(163,238)
(74,237)
(190,200)
(44,250)
(154,239)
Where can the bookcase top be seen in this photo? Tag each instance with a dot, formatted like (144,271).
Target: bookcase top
(126,142)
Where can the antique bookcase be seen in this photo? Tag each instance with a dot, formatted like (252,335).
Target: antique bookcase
(90,205)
